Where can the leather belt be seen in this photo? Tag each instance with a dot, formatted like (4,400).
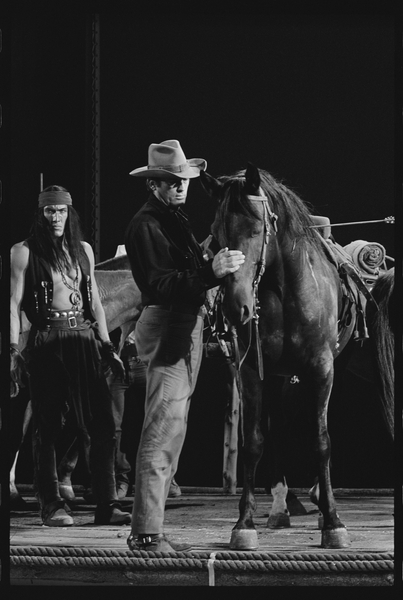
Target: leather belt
(185,309)
(56,314)
(70,319)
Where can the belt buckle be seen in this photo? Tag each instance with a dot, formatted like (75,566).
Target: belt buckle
(72,321)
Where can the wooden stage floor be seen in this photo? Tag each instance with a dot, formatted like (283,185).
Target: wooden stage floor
(85,554)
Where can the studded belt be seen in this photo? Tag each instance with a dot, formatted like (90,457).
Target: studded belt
(65,319)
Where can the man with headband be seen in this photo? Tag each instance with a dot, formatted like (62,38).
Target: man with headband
(173,276)
(52,281)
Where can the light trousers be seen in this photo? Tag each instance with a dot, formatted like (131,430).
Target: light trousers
(171,346)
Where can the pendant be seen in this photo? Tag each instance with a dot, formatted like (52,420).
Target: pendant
(75,298)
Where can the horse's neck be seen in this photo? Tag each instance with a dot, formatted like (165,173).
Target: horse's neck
(110,283)
(117,263)
(288,259)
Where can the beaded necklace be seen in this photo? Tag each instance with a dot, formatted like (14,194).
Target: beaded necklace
(75,296)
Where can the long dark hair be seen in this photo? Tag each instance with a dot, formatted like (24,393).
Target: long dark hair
(54,250)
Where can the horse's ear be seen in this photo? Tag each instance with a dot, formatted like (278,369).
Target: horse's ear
(211,185)
(252,180)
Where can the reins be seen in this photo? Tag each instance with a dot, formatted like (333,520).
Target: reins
(269,217)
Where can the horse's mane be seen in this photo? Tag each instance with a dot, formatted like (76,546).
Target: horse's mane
(294,213)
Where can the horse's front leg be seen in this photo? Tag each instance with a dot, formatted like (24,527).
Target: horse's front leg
(279,516)
(244,535)
(334,532)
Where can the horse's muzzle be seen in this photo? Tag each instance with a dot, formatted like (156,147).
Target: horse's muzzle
(237,314)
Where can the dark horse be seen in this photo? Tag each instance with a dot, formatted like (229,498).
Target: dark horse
(283,306)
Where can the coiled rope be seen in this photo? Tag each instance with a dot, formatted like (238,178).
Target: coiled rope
(229,561)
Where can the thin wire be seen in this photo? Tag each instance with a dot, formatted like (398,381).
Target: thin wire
(387,220)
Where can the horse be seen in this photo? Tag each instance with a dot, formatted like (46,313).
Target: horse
(282,307)
(119,294)
(121,300)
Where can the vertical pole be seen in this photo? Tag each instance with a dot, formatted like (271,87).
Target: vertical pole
(41,182)
(96,149)
(230,458)
(231,422)
(93,140)
(96,136)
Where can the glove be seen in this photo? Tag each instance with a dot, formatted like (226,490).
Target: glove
(111,359)
(18,367)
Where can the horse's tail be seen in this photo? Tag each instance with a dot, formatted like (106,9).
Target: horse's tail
(382,343)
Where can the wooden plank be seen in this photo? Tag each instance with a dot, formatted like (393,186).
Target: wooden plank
(206,523)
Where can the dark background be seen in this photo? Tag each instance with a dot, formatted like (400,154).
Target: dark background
(309,98)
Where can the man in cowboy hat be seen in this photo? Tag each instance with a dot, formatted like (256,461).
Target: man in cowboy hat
(173,276)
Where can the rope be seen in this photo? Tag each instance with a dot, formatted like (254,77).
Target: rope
(224,561)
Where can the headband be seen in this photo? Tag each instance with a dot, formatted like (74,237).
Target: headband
(54,197)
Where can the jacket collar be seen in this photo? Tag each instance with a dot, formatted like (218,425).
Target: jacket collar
(164,208)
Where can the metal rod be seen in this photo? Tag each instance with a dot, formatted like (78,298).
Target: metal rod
(96,136)
(387,220)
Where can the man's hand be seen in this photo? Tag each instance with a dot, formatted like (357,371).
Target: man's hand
(117,366)
(111,358)
(18,367)
(227,261)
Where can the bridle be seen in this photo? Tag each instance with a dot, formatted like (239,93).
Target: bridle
(269,225)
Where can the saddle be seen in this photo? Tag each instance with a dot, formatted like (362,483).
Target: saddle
(355,293)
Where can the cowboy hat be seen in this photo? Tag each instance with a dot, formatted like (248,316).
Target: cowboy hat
(168,158)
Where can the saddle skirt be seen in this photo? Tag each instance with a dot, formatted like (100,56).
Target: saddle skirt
(356,288)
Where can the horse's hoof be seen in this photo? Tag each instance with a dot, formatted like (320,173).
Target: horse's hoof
(279,521)
(244,539)
(335,538)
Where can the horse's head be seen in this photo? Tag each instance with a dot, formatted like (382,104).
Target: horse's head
(243,221)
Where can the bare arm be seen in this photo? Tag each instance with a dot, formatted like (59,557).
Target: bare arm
(112,358)
(97,307)
(18,265)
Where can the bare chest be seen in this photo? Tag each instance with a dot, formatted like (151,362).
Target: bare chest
(66,289)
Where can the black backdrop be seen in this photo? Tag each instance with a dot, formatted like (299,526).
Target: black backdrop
(309,98)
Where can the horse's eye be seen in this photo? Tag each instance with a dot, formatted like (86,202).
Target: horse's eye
(255,232)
